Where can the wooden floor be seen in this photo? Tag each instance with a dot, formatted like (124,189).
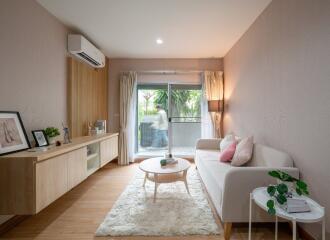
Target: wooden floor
(78,213)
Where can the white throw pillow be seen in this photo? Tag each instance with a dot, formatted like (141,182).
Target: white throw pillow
(238,139)
(243,152)
(227,141)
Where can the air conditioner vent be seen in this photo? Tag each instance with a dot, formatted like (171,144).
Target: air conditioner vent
(81,48)
(85,56)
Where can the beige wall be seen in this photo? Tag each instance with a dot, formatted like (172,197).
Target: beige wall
(277,83)
(32,65)
(119,65)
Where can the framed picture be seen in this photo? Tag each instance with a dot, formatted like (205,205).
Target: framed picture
(13,137)
(40,138)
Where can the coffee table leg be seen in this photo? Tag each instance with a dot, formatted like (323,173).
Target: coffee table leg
(185,180)
(145,179)
(156,185)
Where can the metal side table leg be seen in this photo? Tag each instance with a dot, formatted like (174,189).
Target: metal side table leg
(323,228)
(294,229)
(276,227)
(250,216)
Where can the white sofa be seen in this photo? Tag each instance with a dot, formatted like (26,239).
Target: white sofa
(229,187)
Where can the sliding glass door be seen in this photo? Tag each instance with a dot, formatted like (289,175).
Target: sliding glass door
(163,127)
(185,118)
(152,120)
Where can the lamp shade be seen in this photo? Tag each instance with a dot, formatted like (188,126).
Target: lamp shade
(214,105)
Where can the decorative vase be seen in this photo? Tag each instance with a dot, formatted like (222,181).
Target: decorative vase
(51,140)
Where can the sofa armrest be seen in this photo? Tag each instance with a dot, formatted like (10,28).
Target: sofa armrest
(238,184)
(210,143)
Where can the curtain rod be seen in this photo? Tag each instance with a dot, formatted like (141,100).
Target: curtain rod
(169,72)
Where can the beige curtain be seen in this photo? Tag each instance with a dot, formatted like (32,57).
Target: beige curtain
(213,89)
(128,83)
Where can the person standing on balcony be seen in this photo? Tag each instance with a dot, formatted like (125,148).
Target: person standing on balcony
(161,127)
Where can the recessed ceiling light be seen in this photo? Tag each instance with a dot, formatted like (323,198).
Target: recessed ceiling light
(159,41)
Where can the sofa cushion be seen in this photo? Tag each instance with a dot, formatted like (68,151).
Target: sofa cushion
(227,154)
(213,189)
(269,157)
(218,170)
(243,152)
(208,161)
(226,141)
(208,154)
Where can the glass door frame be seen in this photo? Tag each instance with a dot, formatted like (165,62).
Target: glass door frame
(169,86)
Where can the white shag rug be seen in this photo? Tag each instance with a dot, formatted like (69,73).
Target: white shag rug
(174,213)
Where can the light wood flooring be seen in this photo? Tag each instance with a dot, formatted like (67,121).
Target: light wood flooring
(78,213)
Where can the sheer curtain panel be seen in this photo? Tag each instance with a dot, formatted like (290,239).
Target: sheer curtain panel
(212,84)
(128,84)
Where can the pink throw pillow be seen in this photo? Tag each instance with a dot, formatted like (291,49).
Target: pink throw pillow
(243,152)
(227,154)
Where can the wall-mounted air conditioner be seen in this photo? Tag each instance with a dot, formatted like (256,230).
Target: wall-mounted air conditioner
(83,49)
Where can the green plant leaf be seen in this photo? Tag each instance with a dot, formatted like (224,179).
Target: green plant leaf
(281,199)
(286,177)
(299,192)
(282,176)
(270,203)
(52,132)
(301,187)
(282,188)
(305,191)
(301,184)
(271,190)
(274,174)
(271,211)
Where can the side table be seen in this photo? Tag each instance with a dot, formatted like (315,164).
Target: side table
(317,213)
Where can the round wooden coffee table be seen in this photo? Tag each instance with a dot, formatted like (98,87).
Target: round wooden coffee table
(164,174)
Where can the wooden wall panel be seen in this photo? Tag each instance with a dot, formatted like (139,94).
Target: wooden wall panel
(87,95)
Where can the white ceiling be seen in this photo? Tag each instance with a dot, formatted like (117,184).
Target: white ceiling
(129,28)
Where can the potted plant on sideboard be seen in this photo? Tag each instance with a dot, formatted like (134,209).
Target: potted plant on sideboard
(51,133)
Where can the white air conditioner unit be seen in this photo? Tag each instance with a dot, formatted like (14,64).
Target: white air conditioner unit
(83,49)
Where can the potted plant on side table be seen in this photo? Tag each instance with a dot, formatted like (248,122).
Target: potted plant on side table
(287,186)
(285,200)
(51,133)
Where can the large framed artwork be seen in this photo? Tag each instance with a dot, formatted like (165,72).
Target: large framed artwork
(13,137)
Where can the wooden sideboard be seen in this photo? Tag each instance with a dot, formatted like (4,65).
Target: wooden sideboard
(30,181)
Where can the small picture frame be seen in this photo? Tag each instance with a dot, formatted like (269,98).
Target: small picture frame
(40,138)
(13,137)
